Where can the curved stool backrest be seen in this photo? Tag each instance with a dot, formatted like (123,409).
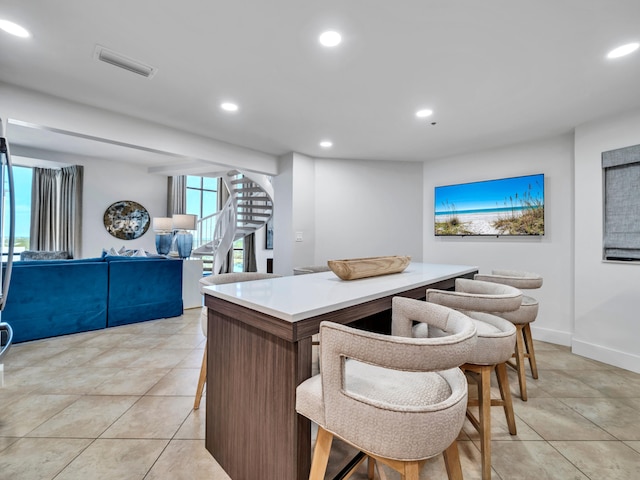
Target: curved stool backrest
(515,278)
(477,296)
(310,269)
(522,318)
(233,277)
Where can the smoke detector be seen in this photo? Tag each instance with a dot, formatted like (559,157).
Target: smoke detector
(119,60)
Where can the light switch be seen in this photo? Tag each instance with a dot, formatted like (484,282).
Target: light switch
(298,236)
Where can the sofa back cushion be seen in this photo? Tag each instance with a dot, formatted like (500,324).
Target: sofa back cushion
(57,297)
(30,255)
(143,288)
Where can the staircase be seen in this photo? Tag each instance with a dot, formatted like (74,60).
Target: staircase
(248,208)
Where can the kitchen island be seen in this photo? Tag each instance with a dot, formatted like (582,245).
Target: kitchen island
(259,351)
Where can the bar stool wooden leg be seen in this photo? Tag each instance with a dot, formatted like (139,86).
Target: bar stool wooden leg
(412,471)
(484,399)
(505,394)
(321,454)
(409,470)
(519,356)
(530,352)
(202,380)
(481,374)
(452,462)
(371,468)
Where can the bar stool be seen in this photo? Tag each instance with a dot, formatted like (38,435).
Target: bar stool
(398,400)
(521,318)
(494,346)
(219,279)
(310,269)
(307,269)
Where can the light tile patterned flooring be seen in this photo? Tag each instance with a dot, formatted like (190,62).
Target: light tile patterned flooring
(117,404)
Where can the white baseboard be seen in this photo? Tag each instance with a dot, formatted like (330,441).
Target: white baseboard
(625,360)
(551,336)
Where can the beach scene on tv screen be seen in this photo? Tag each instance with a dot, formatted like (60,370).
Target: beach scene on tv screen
(506,206)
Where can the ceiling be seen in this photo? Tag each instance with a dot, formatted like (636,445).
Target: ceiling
(495,72)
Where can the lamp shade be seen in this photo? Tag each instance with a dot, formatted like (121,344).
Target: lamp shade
(184,222)
(162,224)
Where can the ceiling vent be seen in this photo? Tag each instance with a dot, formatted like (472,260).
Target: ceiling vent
(114,58)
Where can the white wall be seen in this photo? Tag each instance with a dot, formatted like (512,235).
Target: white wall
(104,184)
(367,208)
(302,238)
(607,326)
(109,182)
(345,209)
(294,213)
(283,216)
(551,255)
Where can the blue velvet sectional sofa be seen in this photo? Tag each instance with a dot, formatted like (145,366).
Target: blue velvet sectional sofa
(56,297)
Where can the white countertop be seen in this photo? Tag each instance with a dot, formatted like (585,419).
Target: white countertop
(297,297)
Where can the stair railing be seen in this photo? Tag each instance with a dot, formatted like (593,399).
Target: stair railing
(216,233)
(224,234)
(204,230)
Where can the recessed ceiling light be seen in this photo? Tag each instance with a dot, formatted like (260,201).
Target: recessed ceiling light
(14,29)
(623,50)
(326,144)
(424,113)
(330,38)
(229,107)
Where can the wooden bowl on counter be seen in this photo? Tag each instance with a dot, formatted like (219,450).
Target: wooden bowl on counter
(354,268)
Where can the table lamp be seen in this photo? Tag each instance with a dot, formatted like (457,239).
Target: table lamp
(182,223)
(164,234)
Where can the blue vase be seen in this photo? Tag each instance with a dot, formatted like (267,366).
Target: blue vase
(184,244)
(163,242)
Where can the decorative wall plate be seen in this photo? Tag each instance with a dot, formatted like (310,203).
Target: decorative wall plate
(126,220)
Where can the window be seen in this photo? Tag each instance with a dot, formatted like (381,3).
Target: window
(22,177)
(621,170)
(238,255)
(202,196)
(202,201)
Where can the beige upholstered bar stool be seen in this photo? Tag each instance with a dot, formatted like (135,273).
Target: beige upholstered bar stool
(521,318)
(307,269)
(310,269)
(494,346)
(219,279)
(398,400)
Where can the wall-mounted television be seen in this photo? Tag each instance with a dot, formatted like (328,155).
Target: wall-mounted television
(505,206)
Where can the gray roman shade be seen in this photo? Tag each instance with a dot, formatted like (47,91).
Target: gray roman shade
(622,203)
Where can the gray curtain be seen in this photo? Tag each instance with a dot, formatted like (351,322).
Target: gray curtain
(177,195)
(44,209)
(250,263)
(56,210)
(71,180)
